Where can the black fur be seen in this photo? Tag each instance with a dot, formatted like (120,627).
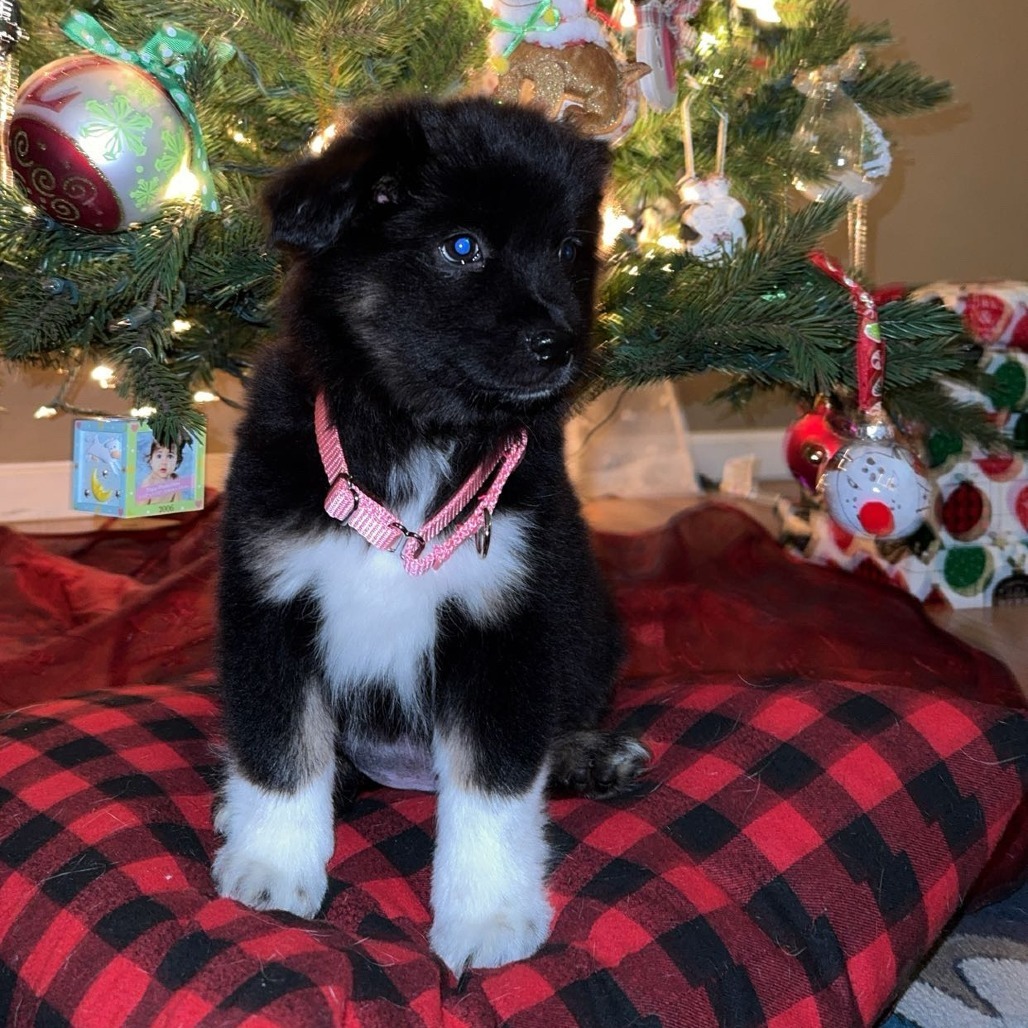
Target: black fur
(410,348)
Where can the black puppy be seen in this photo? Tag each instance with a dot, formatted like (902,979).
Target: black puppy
(435,322)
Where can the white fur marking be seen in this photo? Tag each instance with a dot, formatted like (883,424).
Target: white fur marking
(378,622)
(276,844)
(488,877)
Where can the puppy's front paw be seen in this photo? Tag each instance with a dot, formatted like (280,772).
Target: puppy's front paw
(489,938)
(276,846)
(263,884)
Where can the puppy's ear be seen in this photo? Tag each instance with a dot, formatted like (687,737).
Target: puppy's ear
(367,170)
(308,203)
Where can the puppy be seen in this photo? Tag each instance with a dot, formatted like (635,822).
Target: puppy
(407,592)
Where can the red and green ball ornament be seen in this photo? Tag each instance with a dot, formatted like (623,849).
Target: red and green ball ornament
(810,442)
(100,140)
(873,485)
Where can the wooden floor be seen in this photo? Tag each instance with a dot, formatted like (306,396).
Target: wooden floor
(1002,632)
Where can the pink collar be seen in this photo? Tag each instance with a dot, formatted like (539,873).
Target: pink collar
(348,503)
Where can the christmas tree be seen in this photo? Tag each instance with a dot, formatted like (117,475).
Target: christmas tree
(186,293)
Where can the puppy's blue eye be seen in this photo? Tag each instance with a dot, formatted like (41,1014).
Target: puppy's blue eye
(568,250)
(462,249)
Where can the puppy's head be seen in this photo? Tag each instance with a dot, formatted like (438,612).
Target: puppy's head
(453,247)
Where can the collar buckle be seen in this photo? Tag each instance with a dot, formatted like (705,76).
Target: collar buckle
(336,499)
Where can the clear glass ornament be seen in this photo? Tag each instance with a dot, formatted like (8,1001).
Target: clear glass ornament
(832,126)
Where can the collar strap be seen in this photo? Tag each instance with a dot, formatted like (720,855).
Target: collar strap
(348,503)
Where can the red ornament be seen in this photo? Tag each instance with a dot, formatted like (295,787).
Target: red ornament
(965,513)
(96,142)
(810,443)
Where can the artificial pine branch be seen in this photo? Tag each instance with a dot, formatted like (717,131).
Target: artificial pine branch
(272,74)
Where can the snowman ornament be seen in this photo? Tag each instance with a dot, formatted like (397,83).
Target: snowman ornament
(872,486)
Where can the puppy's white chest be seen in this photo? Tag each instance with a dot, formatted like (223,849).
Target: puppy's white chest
(378,624)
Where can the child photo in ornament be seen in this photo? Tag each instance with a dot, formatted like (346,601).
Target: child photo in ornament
(162,478)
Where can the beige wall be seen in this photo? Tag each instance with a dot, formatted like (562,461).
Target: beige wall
(955,205)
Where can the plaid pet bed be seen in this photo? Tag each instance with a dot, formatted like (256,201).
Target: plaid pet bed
(793,852)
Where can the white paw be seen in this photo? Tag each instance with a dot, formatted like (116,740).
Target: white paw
(471,938)
(264,884)
(276,845)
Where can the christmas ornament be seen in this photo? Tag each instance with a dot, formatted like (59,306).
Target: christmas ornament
(711,219)
(663,36)
(810,442)
(10,33)
(98,142)
(834,128)
(1012,591)
(964,512)
(555,57)
(872,486)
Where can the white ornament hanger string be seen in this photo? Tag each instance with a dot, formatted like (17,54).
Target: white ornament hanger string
(689,153)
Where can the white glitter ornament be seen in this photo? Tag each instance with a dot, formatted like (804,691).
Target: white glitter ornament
(873,485)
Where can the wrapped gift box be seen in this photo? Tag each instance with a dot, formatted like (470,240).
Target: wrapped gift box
(120,470)
(973,552)
(995,314)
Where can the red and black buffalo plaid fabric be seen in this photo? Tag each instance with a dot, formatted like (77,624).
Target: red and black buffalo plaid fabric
(793,852)
(824,794)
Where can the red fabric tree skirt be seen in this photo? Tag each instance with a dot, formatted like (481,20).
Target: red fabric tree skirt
(709,595)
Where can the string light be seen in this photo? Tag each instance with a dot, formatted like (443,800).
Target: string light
(181,325)
(763,10)
(624,15)
(142,412)
(614,223)
(103,376)
(669,242)
(203,396)
(323,138)
(45,412)
(184,185)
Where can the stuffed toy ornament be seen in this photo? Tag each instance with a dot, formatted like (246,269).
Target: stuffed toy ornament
(555,56)
(711,217)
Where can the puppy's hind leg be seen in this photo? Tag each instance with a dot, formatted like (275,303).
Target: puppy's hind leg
(597,764)
(279,829)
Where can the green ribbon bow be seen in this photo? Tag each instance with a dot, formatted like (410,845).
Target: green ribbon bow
(534,23)
(163,58)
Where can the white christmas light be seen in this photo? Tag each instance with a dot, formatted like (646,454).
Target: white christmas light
(764,10)
(323,138)
(669,242)
(103,376)
(181,325)
(614,223)
(45,412)
(184,185)
(142,412)
(203,396)
(624,15)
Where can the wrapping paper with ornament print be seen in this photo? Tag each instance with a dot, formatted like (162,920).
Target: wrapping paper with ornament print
(995,314)
(971,552)
(981,514)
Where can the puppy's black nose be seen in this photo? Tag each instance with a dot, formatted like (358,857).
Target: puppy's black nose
(549,347)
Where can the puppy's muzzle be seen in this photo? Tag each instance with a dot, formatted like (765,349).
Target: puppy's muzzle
(549,347)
